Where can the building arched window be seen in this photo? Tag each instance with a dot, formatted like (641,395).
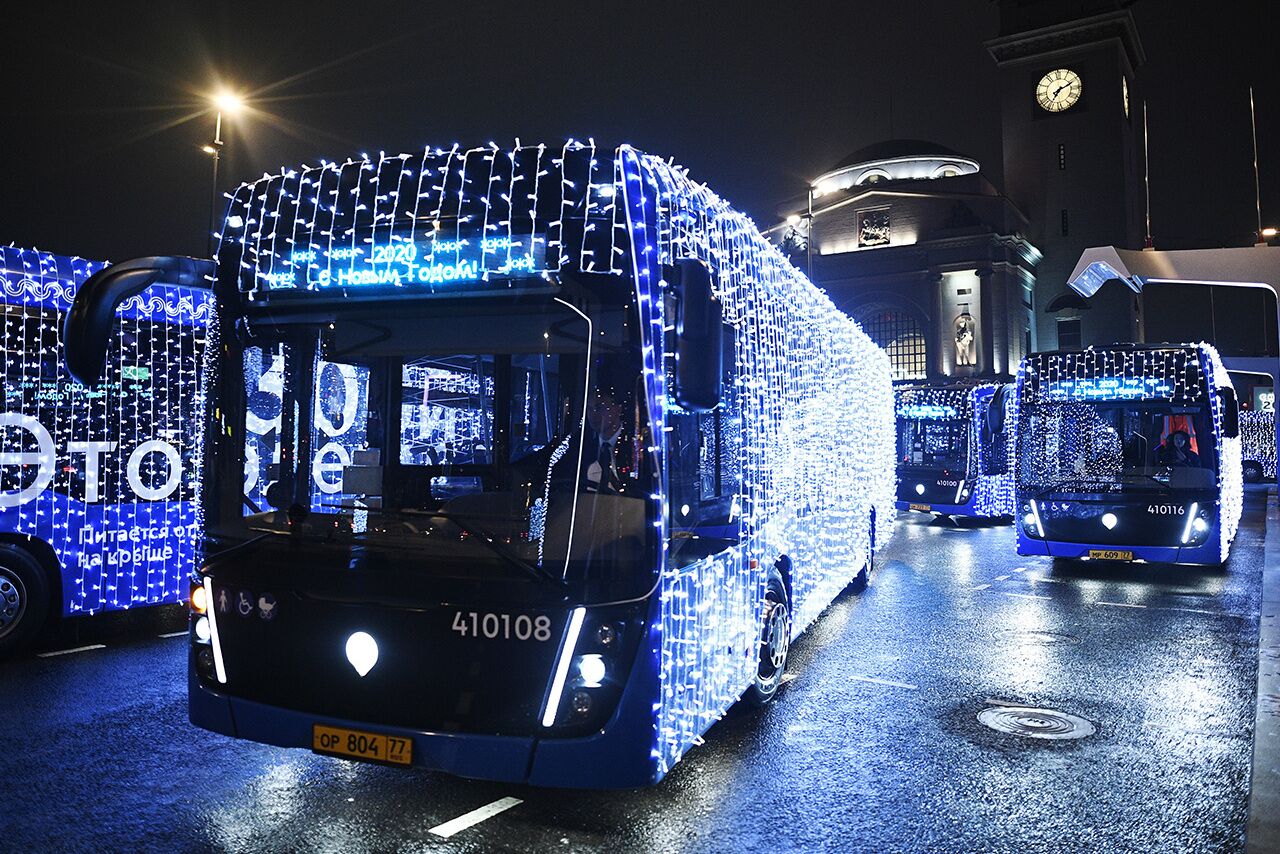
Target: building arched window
(900,335)
(873,176)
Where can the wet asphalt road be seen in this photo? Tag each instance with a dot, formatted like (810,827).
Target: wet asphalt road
(872,746)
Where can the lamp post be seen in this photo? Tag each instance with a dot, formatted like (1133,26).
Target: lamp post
(229,103)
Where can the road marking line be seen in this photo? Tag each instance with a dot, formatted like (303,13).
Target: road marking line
(888,682)
(787,677)
(69,651)
(1202,611)
(462,822)
(180,634)
(980,587)
(1120,604)
(1019,569)
(1001,577)
(1028,596)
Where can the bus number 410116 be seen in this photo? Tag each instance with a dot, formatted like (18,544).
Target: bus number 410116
(493,626)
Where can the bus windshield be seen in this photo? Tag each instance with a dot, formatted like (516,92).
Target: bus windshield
(521,454)
(1116,447)
(933,443)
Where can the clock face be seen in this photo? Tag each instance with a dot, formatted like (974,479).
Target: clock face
(1058,90)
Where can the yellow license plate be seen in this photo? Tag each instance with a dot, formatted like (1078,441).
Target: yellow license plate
(1109,554)
(354,744)
(923,508)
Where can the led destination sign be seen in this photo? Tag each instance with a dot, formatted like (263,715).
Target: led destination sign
(1108,388)
(430,264)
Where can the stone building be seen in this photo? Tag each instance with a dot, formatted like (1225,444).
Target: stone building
(913,241)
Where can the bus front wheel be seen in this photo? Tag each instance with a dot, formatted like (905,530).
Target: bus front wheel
(1252,472)
(24,598)
(775,642)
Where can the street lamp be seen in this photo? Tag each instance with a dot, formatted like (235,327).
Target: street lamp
(229,103)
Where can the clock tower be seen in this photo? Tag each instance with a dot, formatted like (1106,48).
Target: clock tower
(1072,132)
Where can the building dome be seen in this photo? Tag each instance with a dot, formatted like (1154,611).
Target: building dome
(894,160)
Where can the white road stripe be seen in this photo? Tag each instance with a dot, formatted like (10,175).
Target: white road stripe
(1001,577)
(888,682)
(462,822)
(1028,596)
(980,587)
(181,634)
(1119,604)
(69,651)
(1202,611)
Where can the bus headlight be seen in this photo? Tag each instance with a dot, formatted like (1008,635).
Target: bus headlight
(202,630)
(1197,528)
(205,664)
(592,670)
(1031,524)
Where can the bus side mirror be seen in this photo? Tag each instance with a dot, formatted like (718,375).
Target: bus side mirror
(699,339)
(87,328)
(1230,413)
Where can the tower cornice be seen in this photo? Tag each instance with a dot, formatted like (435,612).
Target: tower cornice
(1033,44)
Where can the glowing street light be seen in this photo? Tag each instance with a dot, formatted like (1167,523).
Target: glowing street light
(231,104)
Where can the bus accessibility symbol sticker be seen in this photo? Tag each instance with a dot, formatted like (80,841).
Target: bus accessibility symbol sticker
(244,603)
(267,607)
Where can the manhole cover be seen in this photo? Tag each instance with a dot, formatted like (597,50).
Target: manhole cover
(1035,723)
(1037,638)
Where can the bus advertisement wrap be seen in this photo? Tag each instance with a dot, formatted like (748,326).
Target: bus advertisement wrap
(101,480)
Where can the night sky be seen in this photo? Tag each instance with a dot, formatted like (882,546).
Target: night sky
(103,113)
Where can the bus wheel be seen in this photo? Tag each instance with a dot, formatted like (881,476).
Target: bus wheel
(24,598)
(1252,472)
(775,642)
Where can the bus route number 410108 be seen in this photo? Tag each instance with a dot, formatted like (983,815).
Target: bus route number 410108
(504,626)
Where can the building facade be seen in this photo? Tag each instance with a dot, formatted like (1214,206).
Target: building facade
(955,278)
(1072,132)
(918,246)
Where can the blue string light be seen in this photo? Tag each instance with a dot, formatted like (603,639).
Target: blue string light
(107,476)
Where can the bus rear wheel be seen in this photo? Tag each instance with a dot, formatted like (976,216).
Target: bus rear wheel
(24,598)
(775,643)
(1252,472)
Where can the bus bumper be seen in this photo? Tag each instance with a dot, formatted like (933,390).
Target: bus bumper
(619,756)
(1204,554)
(966,509)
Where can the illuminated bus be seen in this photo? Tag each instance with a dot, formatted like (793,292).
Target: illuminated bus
(97,485)
(528,465)
(1128,453)
(1258,444)
(955,449)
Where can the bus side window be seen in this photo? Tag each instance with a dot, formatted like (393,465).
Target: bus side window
(705,473)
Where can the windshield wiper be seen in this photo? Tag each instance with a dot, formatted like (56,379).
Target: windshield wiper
(496,546)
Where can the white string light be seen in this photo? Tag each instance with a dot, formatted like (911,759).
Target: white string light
(815,434)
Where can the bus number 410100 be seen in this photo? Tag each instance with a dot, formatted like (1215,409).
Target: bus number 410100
(493,626)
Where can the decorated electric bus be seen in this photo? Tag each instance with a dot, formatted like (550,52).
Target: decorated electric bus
(527,464)
(955,449)
(1258,444)
(1128,453)
(97,485)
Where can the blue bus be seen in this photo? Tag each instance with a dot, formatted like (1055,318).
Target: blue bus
(98,485)
(955,449)
(529,463)
(1129,454)
(1258,444)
